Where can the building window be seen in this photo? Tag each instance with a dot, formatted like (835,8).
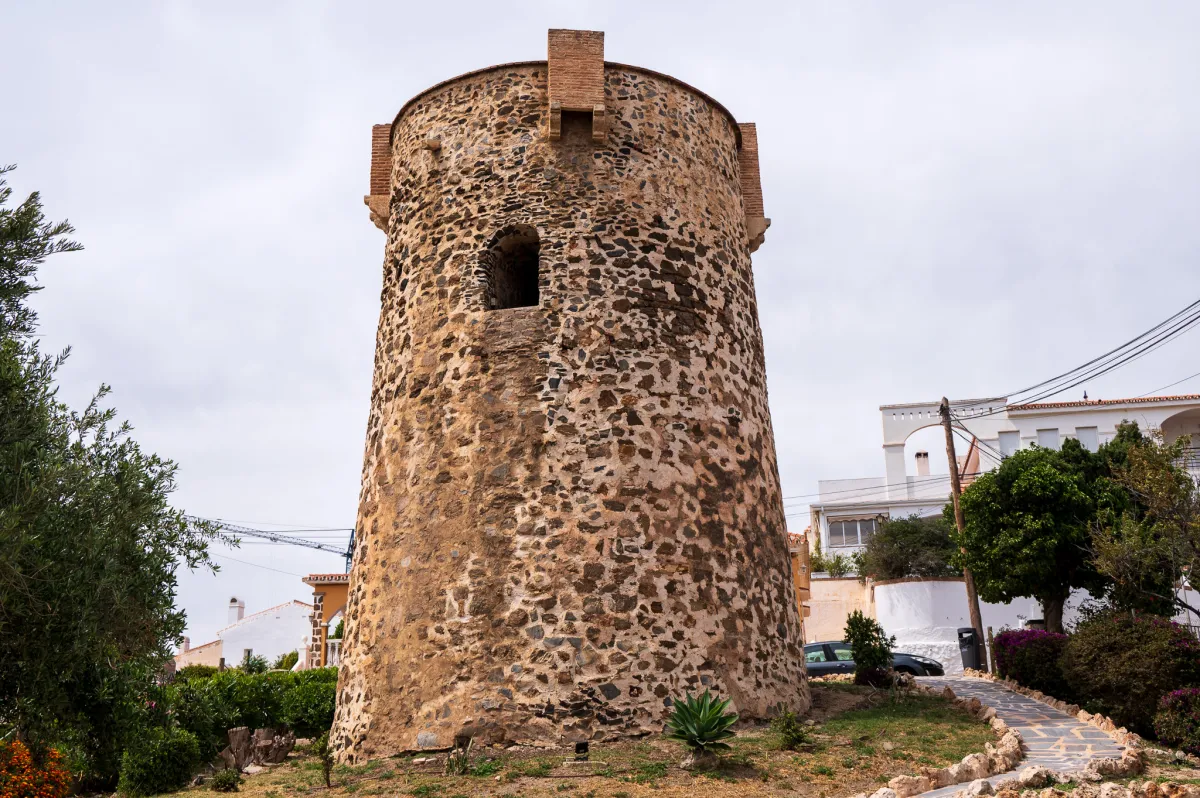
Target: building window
(1047,438)
(1010,441)
(852,531)
(1089,438)
(510,269)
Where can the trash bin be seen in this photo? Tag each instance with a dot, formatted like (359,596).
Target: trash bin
(968,647)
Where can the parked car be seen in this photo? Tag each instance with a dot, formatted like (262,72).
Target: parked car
(823,659)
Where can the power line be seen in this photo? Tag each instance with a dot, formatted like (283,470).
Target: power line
(936,478)
(1135,355)
(1128,352)
(982,447)
(1123,346)
(256,565)
(1172,385)
(226,529)
(291,527)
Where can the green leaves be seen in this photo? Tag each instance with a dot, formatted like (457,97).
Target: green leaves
(701,723)
(912,546)
(91,541)
(26,240)
(1028,527)
(870,647)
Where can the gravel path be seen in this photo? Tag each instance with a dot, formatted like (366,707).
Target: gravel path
(1053,739)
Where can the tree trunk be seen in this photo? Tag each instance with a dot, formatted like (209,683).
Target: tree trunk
(1052,613)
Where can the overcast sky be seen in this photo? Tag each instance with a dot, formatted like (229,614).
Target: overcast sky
(966,198)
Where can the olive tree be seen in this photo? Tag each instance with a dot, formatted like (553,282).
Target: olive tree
(91,541)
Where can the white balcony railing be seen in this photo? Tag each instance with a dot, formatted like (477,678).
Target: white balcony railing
(333,652)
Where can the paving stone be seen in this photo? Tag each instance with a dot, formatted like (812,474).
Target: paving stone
(1053,739)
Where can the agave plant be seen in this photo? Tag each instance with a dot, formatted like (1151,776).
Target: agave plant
(702,724)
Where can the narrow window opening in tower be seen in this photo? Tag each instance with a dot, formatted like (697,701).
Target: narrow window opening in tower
(512,269)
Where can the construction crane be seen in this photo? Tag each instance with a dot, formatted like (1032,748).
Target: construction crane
(233,531)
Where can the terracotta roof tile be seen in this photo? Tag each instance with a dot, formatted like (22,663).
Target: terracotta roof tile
(326,578)
(1137,400)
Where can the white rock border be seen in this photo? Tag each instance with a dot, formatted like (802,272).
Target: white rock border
(993,760)
(1102,722)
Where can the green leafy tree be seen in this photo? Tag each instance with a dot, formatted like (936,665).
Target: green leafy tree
(1028,528)
(91,543)
(26,240)
(912,546)
(1150,544)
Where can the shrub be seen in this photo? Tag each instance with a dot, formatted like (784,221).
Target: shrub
(195,672)
(1178,720)
(1122,666)
(20,777)
(836,565)
(458,761)
(208,708)
(702,724)
(227,780)
(255,698)
(870,648)
(202,708)
(253,664)
(791,731)
(308,708)
(158,760)
(1031,657)
(321,750)
(285,662)
(912,546)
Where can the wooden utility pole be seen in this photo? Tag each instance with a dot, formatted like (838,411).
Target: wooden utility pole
(955,492)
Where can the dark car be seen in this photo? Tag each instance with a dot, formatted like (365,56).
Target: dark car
(823,659)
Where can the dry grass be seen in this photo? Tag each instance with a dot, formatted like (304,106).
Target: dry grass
(851,750)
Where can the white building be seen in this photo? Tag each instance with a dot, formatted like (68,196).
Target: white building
(849,510)
(269,633)
(924,615)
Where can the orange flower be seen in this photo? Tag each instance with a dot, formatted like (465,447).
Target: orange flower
(20,778)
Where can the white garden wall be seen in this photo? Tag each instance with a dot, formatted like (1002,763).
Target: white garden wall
(925,615)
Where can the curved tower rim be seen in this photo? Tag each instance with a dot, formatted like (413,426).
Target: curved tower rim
(607,65)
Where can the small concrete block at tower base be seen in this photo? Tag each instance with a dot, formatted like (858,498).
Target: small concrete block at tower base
(570,510)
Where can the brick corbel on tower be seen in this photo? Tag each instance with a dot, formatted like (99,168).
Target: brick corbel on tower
(575,60)
(752,198)
(381,175)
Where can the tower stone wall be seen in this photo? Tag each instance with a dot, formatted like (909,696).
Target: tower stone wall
(570,512)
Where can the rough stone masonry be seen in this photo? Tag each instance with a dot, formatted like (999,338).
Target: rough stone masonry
(570,510)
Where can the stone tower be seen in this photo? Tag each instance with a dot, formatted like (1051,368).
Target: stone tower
(570,509)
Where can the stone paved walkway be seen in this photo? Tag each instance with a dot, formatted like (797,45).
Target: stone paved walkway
(1053,739)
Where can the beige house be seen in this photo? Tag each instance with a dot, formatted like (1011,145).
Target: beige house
(207,654)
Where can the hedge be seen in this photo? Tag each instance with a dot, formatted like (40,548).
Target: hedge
(208,708)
